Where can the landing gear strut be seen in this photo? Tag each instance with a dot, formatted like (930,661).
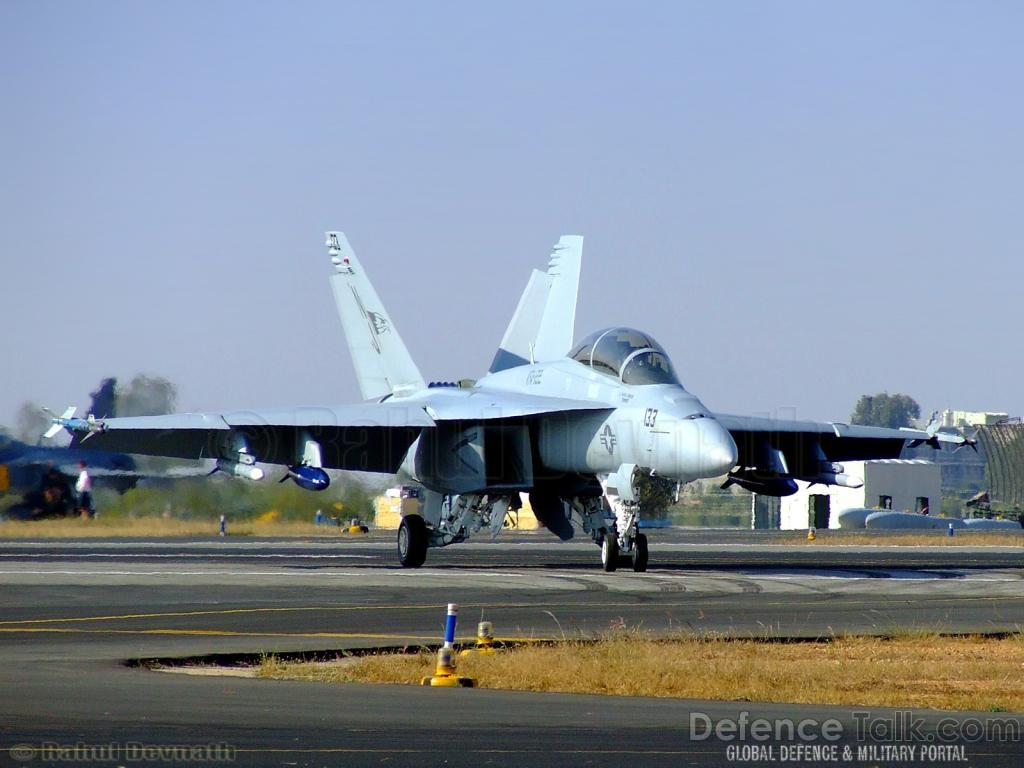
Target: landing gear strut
(448,520)
(622,537)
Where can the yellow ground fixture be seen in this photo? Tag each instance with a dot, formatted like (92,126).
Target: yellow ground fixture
(484,640)
(445,675)
(811,535)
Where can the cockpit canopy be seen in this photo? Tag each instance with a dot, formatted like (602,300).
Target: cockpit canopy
(628,355)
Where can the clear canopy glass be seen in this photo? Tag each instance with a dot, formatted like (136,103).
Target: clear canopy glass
(627,354)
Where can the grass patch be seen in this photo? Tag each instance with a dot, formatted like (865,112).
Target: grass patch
(915,670)
(270,524)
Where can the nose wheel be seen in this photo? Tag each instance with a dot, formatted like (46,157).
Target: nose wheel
(612,556)
(640,553)
(610,552)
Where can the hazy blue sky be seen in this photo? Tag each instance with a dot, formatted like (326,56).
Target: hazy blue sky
(803,201)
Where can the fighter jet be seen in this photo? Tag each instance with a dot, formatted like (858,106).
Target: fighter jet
(576,426)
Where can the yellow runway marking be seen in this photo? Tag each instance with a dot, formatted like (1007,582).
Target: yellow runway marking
(213,633)
(287,609)
(700,601)
(233,633)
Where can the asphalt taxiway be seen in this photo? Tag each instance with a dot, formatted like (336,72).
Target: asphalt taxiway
(72,614)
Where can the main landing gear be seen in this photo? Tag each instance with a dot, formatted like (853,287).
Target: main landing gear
(449,520)
(412,541)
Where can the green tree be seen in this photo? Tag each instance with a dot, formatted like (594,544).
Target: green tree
(885,410)
(656,495)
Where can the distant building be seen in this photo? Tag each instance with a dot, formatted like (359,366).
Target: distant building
(963,471)
(1003,447)
(961,419)
(996,465)
(396,503)
(902,485)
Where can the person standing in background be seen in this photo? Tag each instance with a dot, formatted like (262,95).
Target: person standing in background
(83,486)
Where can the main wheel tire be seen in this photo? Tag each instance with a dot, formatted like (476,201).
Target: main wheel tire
(412,541)
(610,552)
(640,553)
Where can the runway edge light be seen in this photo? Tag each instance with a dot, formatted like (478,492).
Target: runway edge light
(445,675)
(484,640)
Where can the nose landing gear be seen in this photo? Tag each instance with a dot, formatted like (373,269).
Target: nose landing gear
(622,541)
(612,556)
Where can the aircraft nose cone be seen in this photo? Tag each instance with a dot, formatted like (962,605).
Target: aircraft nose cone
(718,449)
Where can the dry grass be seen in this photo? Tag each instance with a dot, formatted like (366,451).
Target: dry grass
(889,539)
(927,671)
(144,527)
(270,525)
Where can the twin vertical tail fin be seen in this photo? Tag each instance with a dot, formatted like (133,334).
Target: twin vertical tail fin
(543,325)
(382,362)
(541,329)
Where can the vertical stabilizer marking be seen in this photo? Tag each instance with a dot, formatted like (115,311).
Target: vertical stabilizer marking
(382,363)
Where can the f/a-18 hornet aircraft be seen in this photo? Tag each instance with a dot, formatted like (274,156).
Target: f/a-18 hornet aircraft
(577,427)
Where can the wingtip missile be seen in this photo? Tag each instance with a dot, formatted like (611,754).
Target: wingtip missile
(84,428)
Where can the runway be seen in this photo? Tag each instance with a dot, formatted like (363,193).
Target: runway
(74,612)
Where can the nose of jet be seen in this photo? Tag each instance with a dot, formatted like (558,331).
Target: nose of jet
(717,449)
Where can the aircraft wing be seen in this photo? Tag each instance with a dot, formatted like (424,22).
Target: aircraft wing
(805,449)
(369,437)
